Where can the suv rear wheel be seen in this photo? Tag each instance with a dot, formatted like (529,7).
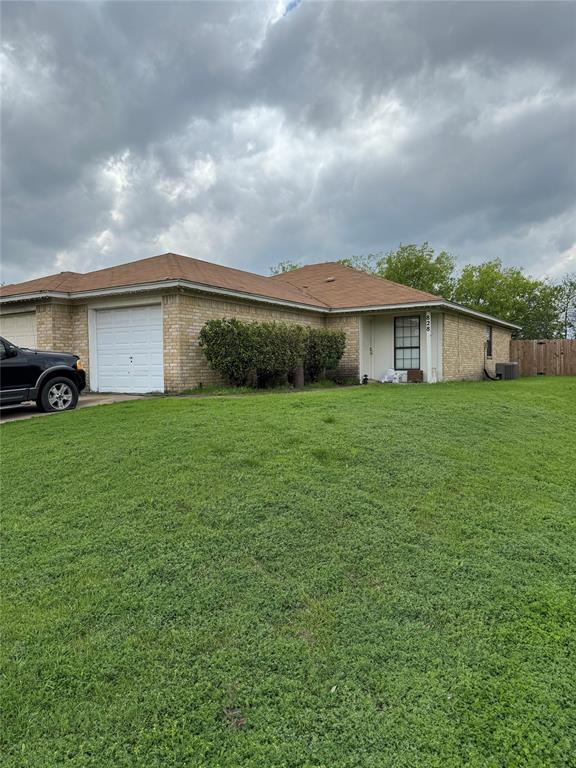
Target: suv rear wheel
(59,394)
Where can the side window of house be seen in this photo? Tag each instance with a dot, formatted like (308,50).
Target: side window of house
(488,341)
(406,343)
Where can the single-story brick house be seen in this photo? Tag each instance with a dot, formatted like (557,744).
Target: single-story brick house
(136,325)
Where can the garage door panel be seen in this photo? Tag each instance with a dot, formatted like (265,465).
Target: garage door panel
(107,318)
(110,343)
(147,335)
(140,315)
(116,383)
(20,329)
(129,348)
(145,369)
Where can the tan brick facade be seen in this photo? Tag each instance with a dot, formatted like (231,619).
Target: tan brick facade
(184,315)
(463,347)
(178,317)
(350,324)
(53,327)
(79,337)
(63,327)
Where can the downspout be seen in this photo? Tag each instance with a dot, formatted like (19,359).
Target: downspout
(486,374)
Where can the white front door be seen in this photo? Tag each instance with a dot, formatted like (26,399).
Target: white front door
(129,350)
(382,342)
(19,328)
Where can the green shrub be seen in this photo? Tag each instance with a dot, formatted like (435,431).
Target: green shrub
(249,353)
(324,349)
(230,349)
(281,347)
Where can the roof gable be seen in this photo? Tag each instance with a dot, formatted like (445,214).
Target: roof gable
(325,287)
(342,287)
(158,269)
(328,285)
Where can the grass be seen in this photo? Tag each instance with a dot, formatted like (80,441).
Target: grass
(223,390)
(365,577)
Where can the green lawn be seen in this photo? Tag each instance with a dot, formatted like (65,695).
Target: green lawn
(370,577)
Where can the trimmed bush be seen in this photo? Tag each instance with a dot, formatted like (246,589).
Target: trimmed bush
(246,353)
(280,348)
(230,349)
(324,349)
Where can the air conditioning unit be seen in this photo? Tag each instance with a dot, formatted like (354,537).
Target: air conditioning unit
(507,370)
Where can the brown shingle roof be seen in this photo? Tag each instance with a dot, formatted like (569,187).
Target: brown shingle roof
(324,286)
(60,282)
(156,269)
(342,287)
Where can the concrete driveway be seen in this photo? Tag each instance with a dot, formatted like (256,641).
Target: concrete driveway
(29,410)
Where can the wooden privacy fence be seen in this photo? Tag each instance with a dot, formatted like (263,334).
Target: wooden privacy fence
(544,357)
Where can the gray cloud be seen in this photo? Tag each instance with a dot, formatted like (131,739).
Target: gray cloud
(233,133)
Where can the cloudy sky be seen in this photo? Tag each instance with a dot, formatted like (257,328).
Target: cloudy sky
(248,133)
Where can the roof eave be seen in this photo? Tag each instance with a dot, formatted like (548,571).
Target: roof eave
(35,296)
(383,307)
(467,311)
(178,283)
(436,303)
(158,286)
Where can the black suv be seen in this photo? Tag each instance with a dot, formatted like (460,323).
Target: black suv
(53,379)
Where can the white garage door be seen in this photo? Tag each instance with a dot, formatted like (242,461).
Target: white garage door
(129,350)
(20,329)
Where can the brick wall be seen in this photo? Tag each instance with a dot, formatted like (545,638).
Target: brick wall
(54,327)
(63,328)
(178,319)
(79,336)
(463,347)
(185,365)
(44,326)
(350,362)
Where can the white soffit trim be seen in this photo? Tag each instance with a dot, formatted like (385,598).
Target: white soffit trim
(197,287)
(159,286)
(441,304)
(34,296)
(163,284)
(465,310)
(393,307)
(16,310)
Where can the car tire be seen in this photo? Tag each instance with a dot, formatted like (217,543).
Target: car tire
(60,394)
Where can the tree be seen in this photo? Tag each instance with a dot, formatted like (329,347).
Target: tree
(418,267)
(544,310)
(567,305)
(364,262)
(413,265)
(508,293)
(284,266)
